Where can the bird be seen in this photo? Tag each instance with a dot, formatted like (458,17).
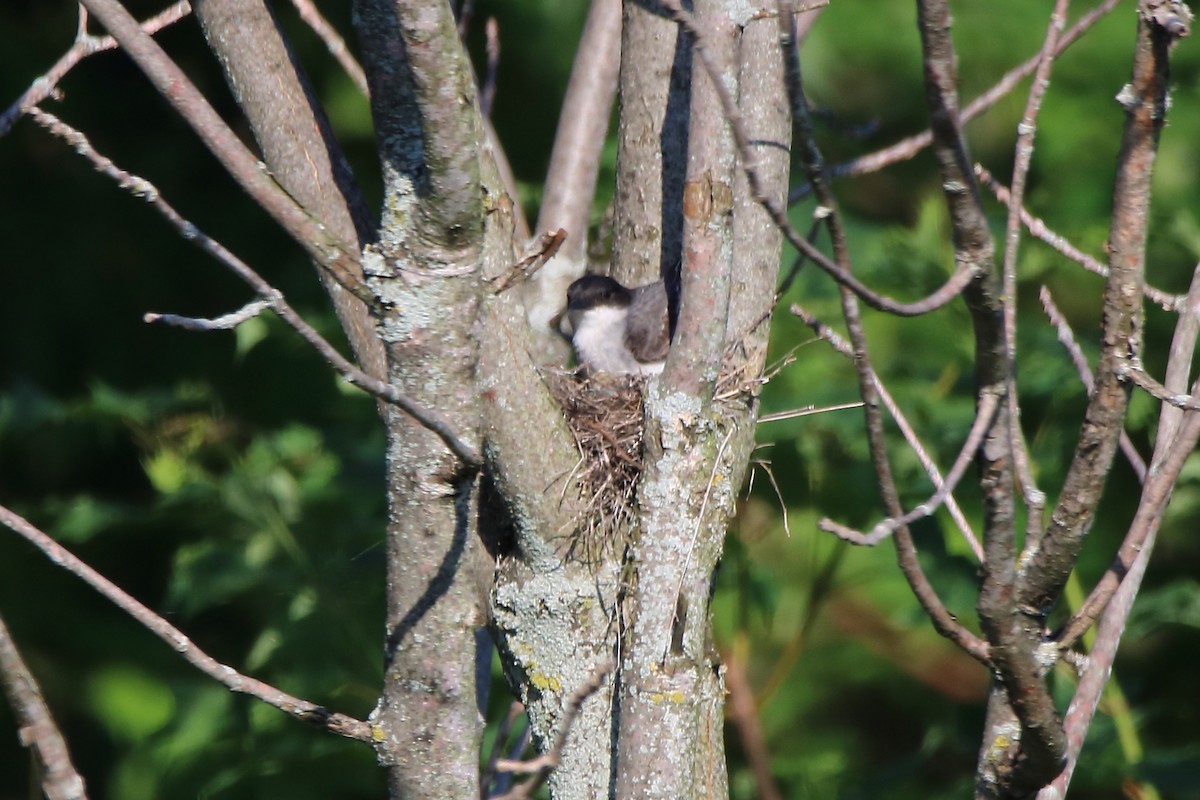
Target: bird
(615,329)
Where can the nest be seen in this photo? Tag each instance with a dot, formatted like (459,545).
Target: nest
(605,413)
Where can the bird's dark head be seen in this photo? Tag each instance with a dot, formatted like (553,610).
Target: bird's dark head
(592,291)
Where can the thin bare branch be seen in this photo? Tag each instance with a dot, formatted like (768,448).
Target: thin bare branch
(983,420)
(1141,379)
(910,435)
(1067,338)
(334,43)
(85,45)
(36,726)
(869,387)
(487,93)
(1035,498)
(320,716)
(1169,441)
(909,147)
(224,322)
(1039,229)
(1144,100)
(142,188)
(807,411)
(338,257)
(537,254)
(1011,637)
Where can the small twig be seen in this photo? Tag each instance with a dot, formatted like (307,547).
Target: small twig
(983,419)
(222,323)
(515,710)
(487,94)
(910,435)
(1096,668)
(540,767)
(1067,338)
(1039,230)
(795,413)
(947,292)
(373,386)
(783,510)
(909,147)
(85,45)
(334,43)
(1138,376)
(36,727)
(538,254)
(334,722)
(1035,498)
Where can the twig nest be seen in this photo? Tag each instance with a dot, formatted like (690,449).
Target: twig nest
(605,413)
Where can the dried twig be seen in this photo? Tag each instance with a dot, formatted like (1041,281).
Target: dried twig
(1035,498)
(334,43)
(909,147)
(538,253)
(1039,229)
(983,419)
(489,773)
(334,722)
(36,727)
(1141,379)
(1168,442)
(906,552)
(910,435)
(222,323)
(487,92)
(1067,338)
(268,294)
(85,45)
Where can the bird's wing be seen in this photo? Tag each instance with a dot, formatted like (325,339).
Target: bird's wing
(646,333)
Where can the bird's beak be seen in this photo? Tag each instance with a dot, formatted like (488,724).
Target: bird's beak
(568,322)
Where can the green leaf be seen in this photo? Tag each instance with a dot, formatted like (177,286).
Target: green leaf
(132,703)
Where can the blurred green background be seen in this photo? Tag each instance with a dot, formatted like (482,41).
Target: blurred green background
(232,483)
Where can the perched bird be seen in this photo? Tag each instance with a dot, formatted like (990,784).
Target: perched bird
(615,329)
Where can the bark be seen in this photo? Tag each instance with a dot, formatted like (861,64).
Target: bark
(652,134)
(671,691)
(426,274)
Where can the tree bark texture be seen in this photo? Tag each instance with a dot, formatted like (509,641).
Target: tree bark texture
(427,276)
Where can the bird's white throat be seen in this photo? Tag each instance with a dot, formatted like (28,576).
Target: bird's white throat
(600,343)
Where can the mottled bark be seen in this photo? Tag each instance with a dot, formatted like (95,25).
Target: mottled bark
(671,691)
(426,274)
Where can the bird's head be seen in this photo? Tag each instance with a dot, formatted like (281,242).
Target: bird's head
(591,292)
